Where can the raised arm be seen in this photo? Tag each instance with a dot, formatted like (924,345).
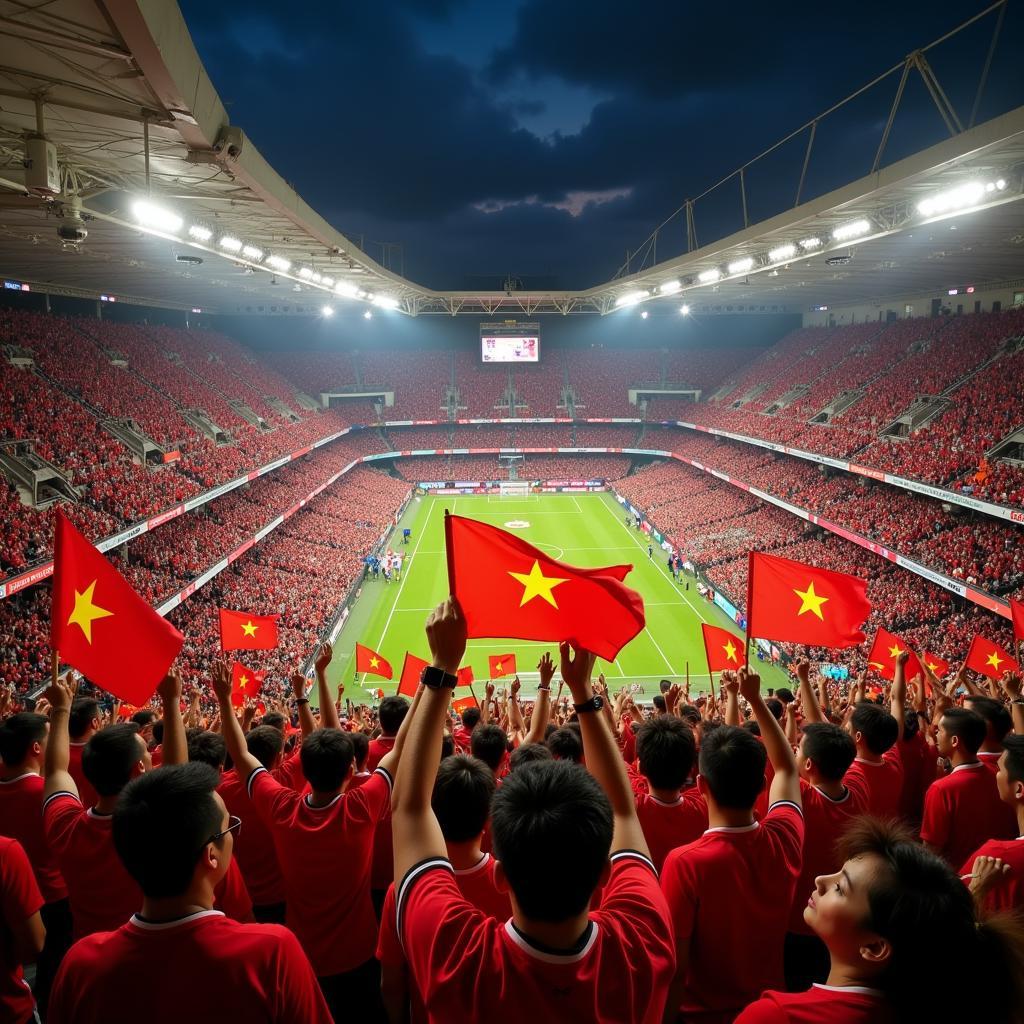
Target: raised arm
(898,694)
(731,682)
(61,695)
(542,705)
(811,707)
(175,747)
(604,760)
(515,712)
(786,783)
(328,712)
(1011,684)
(234,738)
(306,721)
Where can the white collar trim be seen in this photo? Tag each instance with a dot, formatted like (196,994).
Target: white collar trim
(17,778)
(971,764)
(737,829)
(552,958)
(485,859)
(859,989)
(159,926)
(666,803)
(864,760)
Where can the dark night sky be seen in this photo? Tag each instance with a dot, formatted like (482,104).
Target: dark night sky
(543,138)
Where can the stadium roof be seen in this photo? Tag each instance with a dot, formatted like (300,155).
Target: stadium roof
(118,87)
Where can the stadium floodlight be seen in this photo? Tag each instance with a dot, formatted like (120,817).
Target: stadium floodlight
(199,233)
(386,301)
(251,252)
(368,315)
(810,243)
(707,276)
(230,243)
(960,198)
(684,309)
(347,289)
(740,266)
(853,229)
(316,278)
(279,263)
(631,298)
(327,282)
(305,272)
(670,287)
(327,311)
(645,314)
(782,253)
(150,215)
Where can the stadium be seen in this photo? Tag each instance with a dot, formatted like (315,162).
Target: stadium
(814,362)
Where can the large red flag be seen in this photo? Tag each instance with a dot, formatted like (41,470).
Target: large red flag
(1017,614)
(465,676)
(989,659)
(724,650)
(371,662)
(409,682)
(461,703)
(501,665)
(508,588)
(883,654)
(101,626)
(241,631)
(244,684)
(798,603)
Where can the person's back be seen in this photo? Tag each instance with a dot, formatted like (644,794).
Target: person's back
(877,768)
(820,1004)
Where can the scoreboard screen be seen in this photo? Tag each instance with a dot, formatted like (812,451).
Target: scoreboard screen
(510,343)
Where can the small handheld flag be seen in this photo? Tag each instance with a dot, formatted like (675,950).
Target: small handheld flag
(245,684)
(241,631)
(724,650)
(989,659)
(884,651)
(369,661)
(501,665)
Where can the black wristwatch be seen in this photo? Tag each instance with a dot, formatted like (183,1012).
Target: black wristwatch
(435,678)
(594,704)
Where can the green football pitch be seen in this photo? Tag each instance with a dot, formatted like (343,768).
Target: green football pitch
(581,529)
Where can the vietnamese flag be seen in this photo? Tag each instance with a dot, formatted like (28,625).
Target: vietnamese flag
(938,666)
(798,603)
(989,659)
(462,703)
(1017,614)
(409,682)
(465,676)
(240,631)
(370,661)
(101,627)
(244,684)
(508,588)
(501,665)
(724,650)
(883,654)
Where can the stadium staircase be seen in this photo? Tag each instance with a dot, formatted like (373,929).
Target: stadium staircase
(38,481)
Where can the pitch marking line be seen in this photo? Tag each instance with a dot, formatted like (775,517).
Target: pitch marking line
(405,576)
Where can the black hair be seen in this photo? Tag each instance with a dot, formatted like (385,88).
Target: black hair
(147,716)
(110,757)
(162,823)
(775,706)
(968,726)
(565,744)
(1014,748)
(158,731)
(462,797)
(83,711)
(690,714)
(877,727)
(360,748)
(751,726)
(551,809)
(732,764)
(528,753)
(265,743)
(208,747)
(391,714)
(785,694)
(470,718)
(489,744)
(830,747)
(275,720)
(665,685)
(447,744)
(18,733)
(327,755)
(659,702)
(666,749)
(916,893)
(995,712)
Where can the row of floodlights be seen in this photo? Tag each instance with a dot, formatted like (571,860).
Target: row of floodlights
(158,218)
(951,201)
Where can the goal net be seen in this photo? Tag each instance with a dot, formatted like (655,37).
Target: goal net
(514,488)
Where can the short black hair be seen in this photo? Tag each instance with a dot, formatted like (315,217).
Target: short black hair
(462,797)
(732,764)
(968,726)
(327,755)
(528,753)
(775,706)
(275,720)
(83,711)
(470,718)
(690,713)
(995,712)
(391,714)
(18,733)
(489,744)
(877,727)
(565,744)
(785,694)
(110,757)
(147,716)
(665,685)
(360,748)
(208,747)
(264,743)
(162,823)
(158,730)
(551,809)
(659,702)
(830,747)
(1014,747)
(447,744)
(666,750)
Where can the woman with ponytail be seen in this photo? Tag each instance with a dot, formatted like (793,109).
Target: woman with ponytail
(905,941)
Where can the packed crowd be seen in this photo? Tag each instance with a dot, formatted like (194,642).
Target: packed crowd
(533,467)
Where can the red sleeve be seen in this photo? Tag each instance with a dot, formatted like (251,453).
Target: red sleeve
(893,755)
(290,773)
(273,802)
(389,946)
(293,991)
(20,897)
(61,813)
(372,800)
(785,821)
(628,745)
(764,1011)
(633,899)
(682,894)
(935,821)
(232,895)
(968,869)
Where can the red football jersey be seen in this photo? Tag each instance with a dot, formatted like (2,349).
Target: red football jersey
(668,825)
(85,791)
(962,810)
(1009,893)
(730,895)
(820,1004)
(470,967)
(204,963)
(20,898)
(990,759)
(254,844)
(378,748)
(882,782)
(824,821)
(21,818)
(325,854)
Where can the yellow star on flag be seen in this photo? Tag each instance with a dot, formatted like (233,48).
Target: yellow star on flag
(85,612)
(994,660)
(242,680)
(374,661)
(536,584)
(730,650)
(894,651)
(932,666)
(249,628)
(876,664)
(810,601)
(500,669)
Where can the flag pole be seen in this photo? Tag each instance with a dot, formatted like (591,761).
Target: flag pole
(54,665)
(449,551)
(750,610)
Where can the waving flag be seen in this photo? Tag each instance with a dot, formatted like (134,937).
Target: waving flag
(241,631)
(371,662)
